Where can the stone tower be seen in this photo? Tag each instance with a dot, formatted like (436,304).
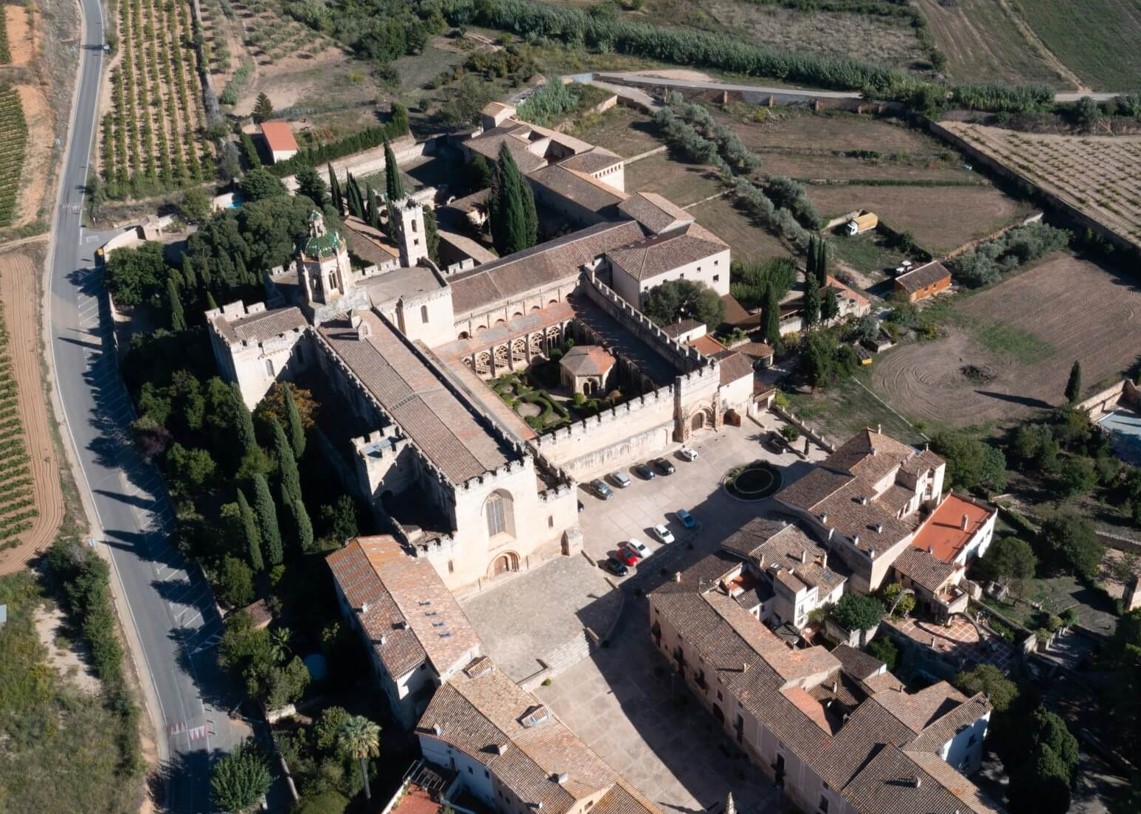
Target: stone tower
(323,264)
(413,241)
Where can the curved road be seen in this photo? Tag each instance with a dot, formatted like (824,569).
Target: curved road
(165,604)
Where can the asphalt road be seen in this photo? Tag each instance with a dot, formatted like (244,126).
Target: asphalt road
(166,605)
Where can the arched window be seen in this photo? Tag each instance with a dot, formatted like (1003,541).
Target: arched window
(500,512)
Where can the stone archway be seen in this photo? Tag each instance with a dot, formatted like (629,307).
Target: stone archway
(503,564)
(697,421)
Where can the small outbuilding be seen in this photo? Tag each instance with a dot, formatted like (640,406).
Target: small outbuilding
(279,140)
(923,282)
(586,369)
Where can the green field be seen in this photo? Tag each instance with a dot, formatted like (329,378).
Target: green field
(847,407)
(1096,39)
(1004,339)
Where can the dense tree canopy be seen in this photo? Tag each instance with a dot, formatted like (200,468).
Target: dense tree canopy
(684,299)
(136,274)
(1067,543)
(1008,560)
(857,611)
(238,780)
(986,678)
(971,463)
(511,208)
(259,184)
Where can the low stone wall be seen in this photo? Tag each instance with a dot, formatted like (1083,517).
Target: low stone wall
(816,437)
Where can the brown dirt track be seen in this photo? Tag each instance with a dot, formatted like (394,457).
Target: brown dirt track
(20,296)
(1084,312)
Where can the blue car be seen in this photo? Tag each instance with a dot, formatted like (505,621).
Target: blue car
(686,519)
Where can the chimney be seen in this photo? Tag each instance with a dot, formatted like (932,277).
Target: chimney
(863,501)
(383,639)
(804,555)
(561,778)
(965,521)
(744,667)
(835,685)
(824,560)
(501,748)
(931,550)
(879,528)
(855,539)
(437,729)
(761,560)
(932,641)
(823,517)
(879,429)
(364,608)
(916,781)
(677,576)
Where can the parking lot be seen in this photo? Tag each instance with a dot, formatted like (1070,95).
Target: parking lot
(695,486)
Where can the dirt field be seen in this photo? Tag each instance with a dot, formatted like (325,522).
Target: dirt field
(19,294)
(1011,348)
(20,43)
(983,43)
(1100,175)
(939,218)
(34,188)
(747,241)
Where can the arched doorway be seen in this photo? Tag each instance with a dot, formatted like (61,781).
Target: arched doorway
(697,422)
(504,564)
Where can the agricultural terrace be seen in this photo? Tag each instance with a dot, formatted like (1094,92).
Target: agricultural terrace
(1098,175)
(5,54)
(984,43)
(152,139)
(17,503)
(1007,349)
(13,143)
(1099,42)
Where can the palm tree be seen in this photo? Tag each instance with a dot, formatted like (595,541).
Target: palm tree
(279,644)
(360,739)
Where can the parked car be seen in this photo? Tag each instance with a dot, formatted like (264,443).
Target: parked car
(663,534)
(620,479)
(663,466)
(601,489)
(688,454)
(645,471)
(625,556)
(686,519)
(638,547)
(616,566)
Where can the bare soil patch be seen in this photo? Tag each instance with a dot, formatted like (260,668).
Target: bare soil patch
(625,131)
(1099,175)
(761,129)
(683,184)
(940,218)
(19,294)
(1012,348)
(34,186)
(21,38)
(67,657)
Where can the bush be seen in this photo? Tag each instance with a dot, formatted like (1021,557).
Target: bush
(986,678)
(1068,544)
(985,264)
(857,612)
(885,650)
(971,463)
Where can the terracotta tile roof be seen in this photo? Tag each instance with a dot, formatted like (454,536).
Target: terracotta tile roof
(919,710)
(756,350)
(770,543)
(624,799)
(869,454)
(653,256)
(734,367)
(737,316)
(546,264)
(894,782)
(813,710)
(517,138)
(857,663)
(853,510)
(676,329)
(707,345)
(961,787)
(807,492)
(932,738)
(261,326)
(846,291)
(592,161)
(408,605)
(486,717)
(655,212)
(445,429)
(864,734)
(279,136)
(919,278)
(925,461)
(573,185)
(587,360)
(943,533)
(926,571)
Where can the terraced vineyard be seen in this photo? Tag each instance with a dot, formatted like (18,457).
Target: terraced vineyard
(152,139)
(1098,175)
(5,54)
(17,502)
(13,142)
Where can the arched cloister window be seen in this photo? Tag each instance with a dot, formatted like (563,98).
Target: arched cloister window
(499,509)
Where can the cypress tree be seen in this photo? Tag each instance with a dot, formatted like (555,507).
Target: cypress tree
(530,214)
(210,303)
(393,183)
(189,276)
(177,316)
(266,513)
(250,532)
(242,421)
(304,526)
(811,263)
(373,212)
(356,197)
(514,224)
(770,316)
(335,196)
(287,464)
(293,424)
(822,263)
(1074,385)
(831,307)
(811,302)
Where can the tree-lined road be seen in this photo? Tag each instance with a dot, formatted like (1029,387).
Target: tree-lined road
(166,605)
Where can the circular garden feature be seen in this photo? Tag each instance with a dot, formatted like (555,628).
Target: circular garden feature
(755,481)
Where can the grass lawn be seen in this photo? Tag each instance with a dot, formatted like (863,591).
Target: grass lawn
(625,131)
(1097,40)
(748,242)
(60,746)
(845,408)
(867,253)
(684,184)
(1004,339)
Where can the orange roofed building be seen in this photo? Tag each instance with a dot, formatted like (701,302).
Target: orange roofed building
(280,141)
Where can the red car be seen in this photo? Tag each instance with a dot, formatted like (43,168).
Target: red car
(626,557)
